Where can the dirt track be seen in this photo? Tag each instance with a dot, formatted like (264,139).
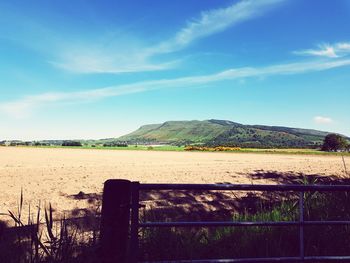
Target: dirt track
(53,175)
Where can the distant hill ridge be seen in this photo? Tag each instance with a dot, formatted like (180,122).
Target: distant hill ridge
(224,132)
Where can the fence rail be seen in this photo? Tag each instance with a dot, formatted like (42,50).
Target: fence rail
(131,254)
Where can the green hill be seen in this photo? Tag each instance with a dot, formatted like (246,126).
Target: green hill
(222,132)
(177,132)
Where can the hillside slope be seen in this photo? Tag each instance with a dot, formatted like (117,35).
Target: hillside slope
(177,132)
(222,132)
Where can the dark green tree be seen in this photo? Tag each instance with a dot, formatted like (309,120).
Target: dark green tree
(334,142)
(71,143)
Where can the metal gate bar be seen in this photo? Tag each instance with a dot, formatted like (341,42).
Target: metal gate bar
(301,189)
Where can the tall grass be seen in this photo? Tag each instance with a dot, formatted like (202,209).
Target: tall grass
(257,241)
(41,239)
(34,241)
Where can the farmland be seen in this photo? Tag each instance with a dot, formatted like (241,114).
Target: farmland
(56,175)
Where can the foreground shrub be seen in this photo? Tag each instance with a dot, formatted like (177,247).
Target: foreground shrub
(64,240)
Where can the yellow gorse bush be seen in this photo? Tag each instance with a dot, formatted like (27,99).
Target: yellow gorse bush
(211,149)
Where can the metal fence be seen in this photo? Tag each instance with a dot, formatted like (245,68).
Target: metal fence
(120,222)
(136,187)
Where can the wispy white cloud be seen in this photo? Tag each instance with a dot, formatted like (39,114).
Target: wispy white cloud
(123,56)
(23,106)
(322,120)
(120,51)
(125,59)
(104,63)
(327,50)
(215,21)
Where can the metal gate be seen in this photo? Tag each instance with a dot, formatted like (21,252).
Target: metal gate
(135,224)
(136,187)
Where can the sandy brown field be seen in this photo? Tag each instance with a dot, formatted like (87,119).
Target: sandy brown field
(55,174)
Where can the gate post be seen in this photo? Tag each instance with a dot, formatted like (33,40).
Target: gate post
(115,218)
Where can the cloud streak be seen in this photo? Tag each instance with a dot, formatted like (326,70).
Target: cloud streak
(326,50)
(215,21)
(97,60)
(110,64)
(23,106)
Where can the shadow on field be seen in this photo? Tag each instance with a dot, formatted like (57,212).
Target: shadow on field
(179,205)
(3,226)
(67,240)
(11,247)
(87,218)
(238,242)
(296,178)
(221,205)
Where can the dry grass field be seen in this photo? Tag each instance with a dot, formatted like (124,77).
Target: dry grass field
(56,175)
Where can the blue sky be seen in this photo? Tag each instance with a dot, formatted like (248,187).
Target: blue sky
(100,69)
